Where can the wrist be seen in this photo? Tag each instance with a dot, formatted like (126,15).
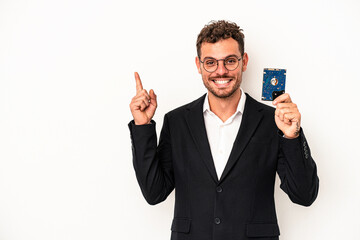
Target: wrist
(141,123)
(291,137)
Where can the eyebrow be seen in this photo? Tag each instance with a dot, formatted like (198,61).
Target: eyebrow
(231,55)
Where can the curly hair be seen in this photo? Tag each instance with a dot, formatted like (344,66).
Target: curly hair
(219,30)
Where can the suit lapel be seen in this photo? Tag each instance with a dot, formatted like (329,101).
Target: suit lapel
(251,119)
(195,121)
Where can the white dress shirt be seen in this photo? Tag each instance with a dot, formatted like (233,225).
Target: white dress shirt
(221,135)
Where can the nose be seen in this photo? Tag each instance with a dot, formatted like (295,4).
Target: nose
(221,69)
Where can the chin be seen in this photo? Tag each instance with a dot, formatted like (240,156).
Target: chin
(223,95)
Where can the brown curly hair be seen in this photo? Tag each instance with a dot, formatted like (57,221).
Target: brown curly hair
(219,30)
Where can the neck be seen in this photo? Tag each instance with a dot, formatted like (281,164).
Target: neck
(224,108)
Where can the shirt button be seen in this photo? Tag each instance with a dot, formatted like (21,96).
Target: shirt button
(217,221)
(219,189)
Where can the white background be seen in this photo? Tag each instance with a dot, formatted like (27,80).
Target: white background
(66,81)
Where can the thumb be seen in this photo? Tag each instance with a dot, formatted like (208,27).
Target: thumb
(153,97)
(152,94)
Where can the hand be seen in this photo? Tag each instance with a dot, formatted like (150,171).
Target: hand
(287,116)
(143,105)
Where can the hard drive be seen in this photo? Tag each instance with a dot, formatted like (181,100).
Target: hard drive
(273,83)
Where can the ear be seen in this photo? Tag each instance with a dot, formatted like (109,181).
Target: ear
(245,60)
(197,61)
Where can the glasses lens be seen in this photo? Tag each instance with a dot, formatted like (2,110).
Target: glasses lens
(231,63)
(210,64)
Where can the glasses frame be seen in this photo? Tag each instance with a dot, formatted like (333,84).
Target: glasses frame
(217,63)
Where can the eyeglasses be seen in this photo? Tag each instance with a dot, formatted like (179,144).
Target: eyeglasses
(211,64)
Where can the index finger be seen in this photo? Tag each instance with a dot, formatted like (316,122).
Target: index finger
(139,86)
(285,98)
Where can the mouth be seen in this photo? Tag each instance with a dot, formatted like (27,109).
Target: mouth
(221,82)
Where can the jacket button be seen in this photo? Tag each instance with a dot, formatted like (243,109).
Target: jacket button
(219,189)
(217,221)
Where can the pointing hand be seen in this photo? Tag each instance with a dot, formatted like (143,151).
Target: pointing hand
(143,105)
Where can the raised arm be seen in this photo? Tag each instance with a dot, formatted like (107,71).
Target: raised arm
(296,168)
(152,163)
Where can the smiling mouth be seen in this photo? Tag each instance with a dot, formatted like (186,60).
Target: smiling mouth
(221,81)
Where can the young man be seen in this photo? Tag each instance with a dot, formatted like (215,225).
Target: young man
(221,152)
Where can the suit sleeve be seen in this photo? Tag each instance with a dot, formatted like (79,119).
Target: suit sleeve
(297,170)
(152,163)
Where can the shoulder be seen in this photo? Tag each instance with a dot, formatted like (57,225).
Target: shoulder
(182,110)
(252,103)
(257,110)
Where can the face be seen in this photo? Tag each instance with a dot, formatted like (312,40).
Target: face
(222,83)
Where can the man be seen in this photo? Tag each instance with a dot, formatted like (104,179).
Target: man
(221,152)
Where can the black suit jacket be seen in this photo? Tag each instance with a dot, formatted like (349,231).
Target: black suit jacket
(239,205)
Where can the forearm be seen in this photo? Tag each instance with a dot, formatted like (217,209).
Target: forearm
(297,170)
(153,167)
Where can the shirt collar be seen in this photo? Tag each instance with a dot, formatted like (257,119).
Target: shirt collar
(240,106)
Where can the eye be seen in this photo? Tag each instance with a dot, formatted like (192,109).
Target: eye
(210,62)
(231,61)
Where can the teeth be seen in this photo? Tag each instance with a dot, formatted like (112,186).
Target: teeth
(221,81)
